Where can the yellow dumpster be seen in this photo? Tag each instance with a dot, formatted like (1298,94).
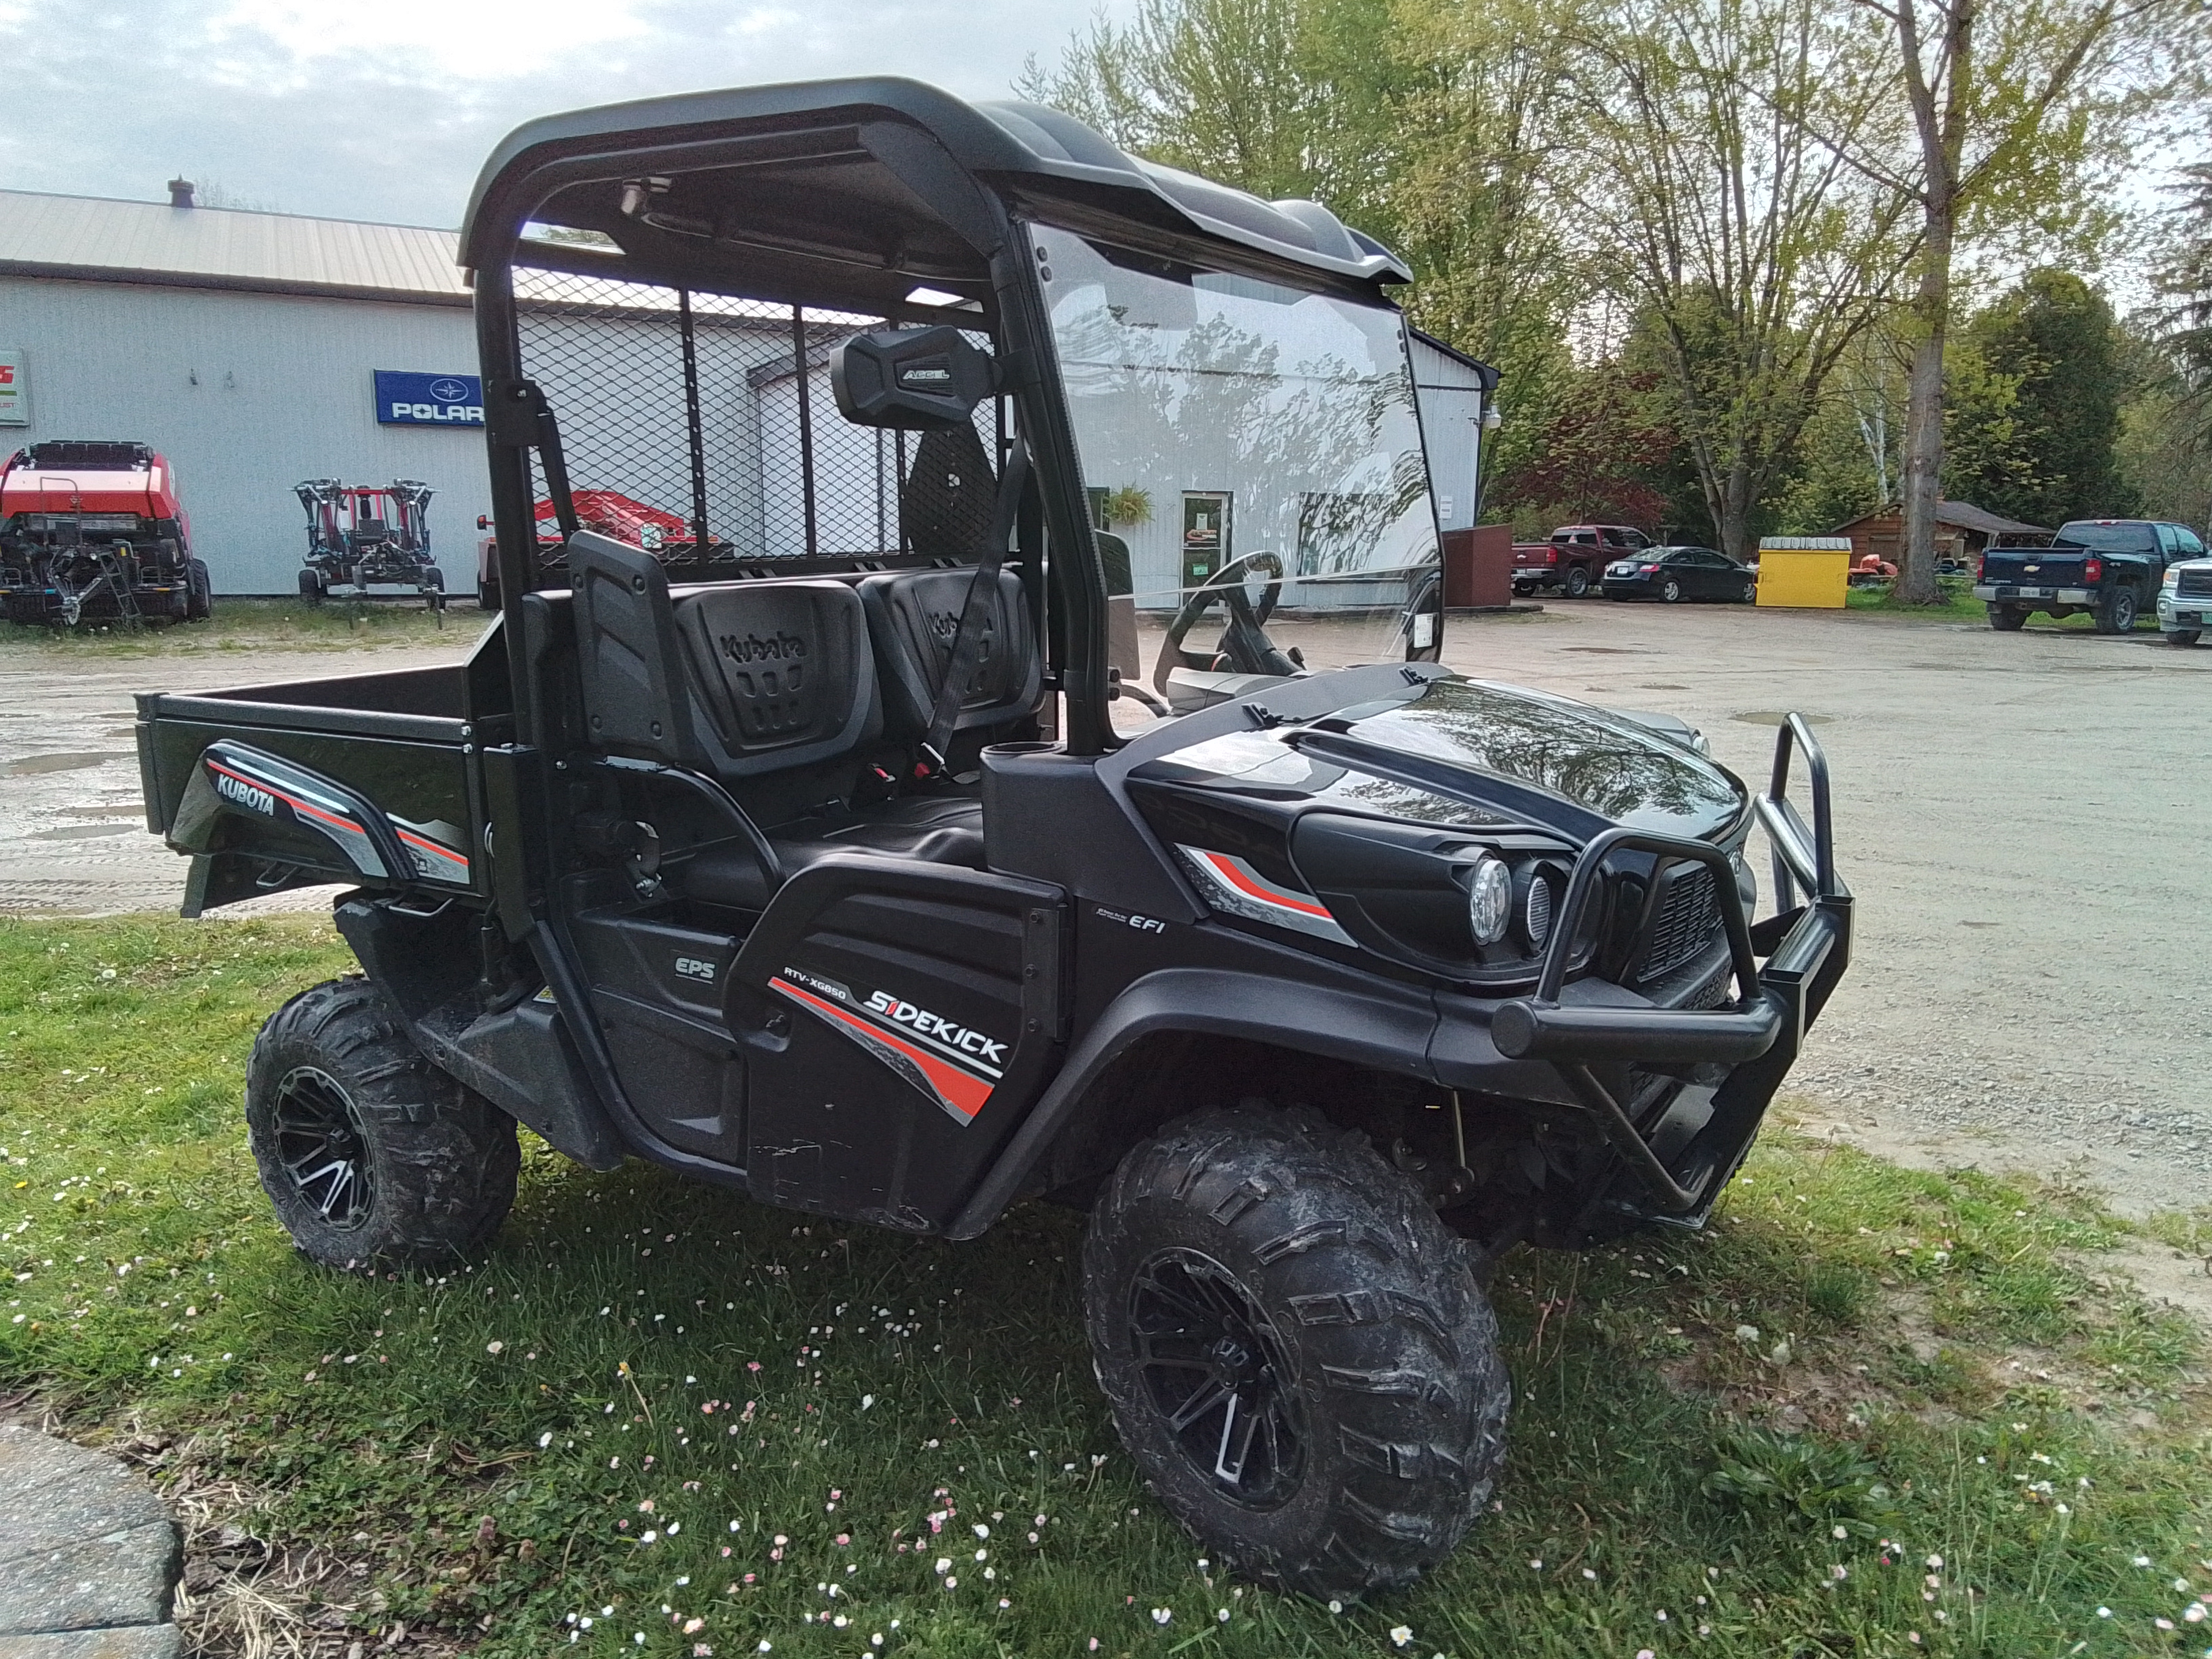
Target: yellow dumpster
(1804,572)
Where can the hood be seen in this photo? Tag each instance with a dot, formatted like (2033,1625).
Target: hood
(1470,753)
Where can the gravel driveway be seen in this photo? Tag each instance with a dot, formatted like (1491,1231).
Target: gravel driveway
(2020,815)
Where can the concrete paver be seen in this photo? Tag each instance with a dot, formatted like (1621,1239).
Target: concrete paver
(89,1556)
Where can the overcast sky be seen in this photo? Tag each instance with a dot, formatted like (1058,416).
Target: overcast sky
(384,109)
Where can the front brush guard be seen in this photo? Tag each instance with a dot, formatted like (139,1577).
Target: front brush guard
(1807,946)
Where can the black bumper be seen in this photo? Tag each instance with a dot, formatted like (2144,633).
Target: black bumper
(1807,946)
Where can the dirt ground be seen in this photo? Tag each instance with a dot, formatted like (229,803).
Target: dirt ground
(2022,815)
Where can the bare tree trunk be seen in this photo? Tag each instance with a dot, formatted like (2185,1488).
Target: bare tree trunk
(1736,502)
(1923,419)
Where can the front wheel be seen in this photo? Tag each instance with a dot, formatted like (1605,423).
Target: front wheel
(370,1154)
(199,591)
(2007,618)
(311,585)
(1295,1351)
(2184,637)
(1577,581)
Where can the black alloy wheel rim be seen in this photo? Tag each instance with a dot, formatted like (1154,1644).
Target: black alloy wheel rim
(320,1143)
(1218,1374)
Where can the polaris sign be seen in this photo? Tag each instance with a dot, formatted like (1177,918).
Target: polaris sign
(404,399)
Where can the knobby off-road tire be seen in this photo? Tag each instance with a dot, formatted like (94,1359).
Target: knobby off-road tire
(370,1154)
(1273,1259)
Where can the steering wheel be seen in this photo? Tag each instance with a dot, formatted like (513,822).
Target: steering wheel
(1245,647)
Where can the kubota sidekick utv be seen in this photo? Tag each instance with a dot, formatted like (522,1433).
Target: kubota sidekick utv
(837,880)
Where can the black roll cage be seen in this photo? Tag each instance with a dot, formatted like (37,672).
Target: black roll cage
(978,180)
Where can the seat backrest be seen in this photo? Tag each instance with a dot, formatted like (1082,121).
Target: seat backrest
(632,678)
(782,673)
(914,617)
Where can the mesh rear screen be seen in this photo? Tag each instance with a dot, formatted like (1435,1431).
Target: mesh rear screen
(703,428)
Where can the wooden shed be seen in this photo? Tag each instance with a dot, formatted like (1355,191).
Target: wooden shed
(1962,530)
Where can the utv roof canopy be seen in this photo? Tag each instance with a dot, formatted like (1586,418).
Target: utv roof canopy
(865,188)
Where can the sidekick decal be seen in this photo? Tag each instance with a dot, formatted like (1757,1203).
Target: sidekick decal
(955,1066)
(1231,885)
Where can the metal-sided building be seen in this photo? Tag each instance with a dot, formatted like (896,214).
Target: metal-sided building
(245,347)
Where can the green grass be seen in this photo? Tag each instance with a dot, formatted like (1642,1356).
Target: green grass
(1958,603)
(261,625)
(658,1398)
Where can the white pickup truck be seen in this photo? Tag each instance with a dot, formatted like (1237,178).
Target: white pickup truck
(2185,601)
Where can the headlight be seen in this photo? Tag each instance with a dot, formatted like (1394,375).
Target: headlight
(2172,579)
(1536,911)
(1489,900)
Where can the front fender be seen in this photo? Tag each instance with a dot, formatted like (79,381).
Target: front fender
(1388,1029)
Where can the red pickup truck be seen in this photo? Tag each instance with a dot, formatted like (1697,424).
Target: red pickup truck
(1574,558)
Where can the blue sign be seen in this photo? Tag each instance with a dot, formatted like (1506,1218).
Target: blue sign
(404,399)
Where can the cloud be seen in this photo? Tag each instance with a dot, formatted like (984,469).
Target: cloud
(385,111)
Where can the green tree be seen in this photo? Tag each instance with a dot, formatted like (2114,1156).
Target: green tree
(1753,257)
(2045,449)
(2019,108)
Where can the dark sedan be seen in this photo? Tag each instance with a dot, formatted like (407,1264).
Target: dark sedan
(1674,573)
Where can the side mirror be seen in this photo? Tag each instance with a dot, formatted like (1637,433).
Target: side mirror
(919,379)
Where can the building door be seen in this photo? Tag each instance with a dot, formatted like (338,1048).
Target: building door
(1204,535)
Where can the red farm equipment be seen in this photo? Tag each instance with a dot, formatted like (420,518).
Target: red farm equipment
(92,531)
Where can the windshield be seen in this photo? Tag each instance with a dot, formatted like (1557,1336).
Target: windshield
(2108,538)
(1237,435)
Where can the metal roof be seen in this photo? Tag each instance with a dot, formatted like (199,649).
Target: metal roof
(94,239)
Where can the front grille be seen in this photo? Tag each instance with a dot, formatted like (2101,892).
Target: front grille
(1689,916)
(2194,585)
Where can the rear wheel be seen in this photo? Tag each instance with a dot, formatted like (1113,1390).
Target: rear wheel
(1577,582)
(199,591)
(1670,591)
(2007,618)
(1296,1353)
(2116,613)
(370,1154)
(488,593)
(2184,637)
(311,585)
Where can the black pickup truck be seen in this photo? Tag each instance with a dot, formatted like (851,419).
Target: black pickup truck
(2109,568)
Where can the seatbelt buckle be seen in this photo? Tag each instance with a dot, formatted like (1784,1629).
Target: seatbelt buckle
(931,764)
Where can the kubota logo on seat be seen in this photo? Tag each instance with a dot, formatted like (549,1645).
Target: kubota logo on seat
(752,648)
(253,799)
(937,1027)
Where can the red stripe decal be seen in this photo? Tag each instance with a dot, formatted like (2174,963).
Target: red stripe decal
(294,802)
(1226,867)
(963,1091)
(443,851)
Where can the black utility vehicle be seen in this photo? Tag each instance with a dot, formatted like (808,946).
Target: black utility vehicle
(2108,568)
(1319,996)
(1672,574)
